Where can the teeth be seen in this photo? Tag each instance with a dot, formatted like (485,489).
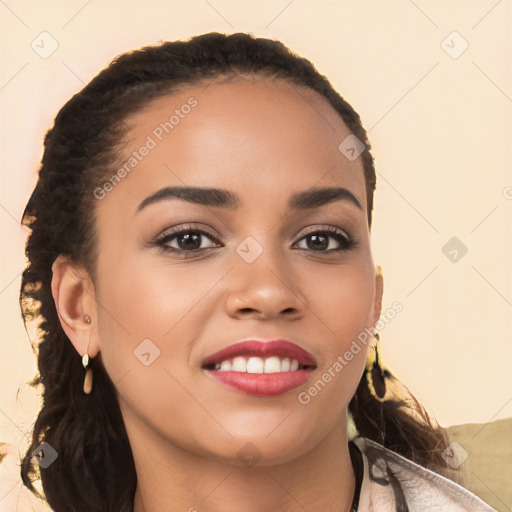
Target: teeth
(225,366)
(239,365)
(255,365)
(273,364)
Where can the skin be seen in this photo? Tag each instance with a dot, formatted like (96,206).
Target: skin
(263,140)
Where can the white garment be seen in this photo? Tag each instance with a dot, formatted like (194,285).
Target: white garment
(392,483)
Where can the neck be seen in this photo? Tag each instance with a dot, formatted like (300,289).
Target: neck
(173,479)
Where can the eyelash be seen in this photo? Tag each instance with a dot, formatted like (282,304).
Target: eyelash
(345,241)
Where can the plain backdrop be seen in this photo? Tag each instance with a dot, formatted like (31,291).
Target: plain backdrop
(432,81)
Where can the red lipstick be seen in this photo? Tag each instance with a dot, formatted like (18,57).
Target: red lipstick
(296,367)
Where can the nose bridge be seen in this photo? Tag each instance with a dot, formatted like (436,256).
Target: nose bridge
(263,280)
(260,254)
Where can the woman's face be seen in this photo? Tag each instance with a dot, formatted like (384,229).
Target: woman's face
(256,268)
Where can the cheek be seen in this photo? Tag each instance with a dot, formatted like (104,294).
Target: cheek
(147,307)
(342,302)
(149,316)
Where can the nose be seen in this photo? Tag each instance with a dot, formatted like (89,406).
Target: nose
(264,290)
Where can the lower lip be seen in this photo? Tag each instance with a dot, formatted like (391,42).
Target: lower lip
(262,384)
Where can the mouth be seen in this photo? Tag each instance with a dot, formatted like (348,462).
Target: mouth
(261,368)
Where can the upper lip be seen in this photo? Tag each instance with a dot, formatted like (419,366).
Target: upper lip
(258,348)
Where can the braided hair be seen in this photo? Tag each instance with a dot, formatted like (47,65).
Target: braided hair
(95,469)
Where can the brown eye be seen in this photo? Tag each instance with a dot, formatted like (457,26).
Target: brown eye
(186,240)
(189,241)
(321,241)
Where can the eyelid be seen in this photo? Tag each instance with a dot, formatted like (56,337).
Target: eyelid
(185,227)
(325,228)
(178,230)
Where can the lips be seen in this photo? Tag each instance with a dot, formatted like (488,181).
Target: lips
(263,369)
(253,348)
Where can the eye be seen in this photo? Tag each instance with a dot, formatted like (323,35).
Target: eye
(320,240)
(186,240)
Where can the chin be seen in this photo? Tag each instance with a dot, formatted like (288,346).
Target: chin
(263,450)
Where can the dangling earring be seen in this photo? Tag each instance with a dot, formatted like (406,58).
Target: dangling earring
(85,363)
(375,374)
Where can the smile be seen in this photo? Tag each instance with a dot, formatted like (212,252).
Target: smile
(263,369)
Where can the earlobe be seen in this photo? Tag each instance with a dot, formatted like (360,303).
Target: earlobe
(73,293)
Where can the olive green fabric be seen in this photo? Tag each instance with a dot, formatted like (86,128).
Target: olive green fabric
(488,467)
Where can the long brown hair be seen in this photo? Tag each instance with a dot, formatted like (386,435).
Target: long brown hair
(95,471)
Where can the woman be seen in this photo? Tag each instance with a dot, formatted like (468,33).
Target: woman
(200,256)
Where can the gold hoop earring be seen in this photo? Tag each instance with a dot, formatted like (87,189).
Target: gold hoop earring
(375,374)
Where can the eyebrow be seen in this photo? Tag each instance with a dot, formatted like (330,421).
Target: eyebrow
(221,198)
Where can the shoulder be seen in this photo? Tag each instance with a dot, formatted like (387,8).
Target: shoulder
(392,482)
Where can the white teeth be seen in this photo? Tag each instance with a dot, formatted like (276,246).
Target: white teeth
(255,365)
(225,366)
(273,364)
(239,364)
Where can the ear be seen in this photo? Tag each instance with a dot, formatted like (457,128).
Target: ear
(73,293)
(379,290)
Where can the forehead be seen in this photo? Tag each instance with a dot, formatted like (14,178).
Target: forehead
(257,135)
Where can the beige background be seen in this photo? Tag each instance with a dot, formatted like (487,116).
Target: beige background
(440,128)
